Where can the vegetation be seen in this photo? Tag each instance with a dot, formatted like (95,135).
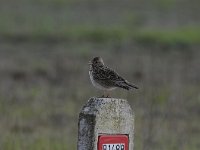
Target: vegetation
(186,35)
(44,51)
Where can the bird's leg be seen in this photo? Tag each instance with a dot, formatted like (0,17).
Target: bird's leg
(104,93)
(107,94)
(103,96)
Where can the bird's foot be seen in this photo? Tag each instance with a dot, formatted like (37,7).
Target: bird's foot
(103,96)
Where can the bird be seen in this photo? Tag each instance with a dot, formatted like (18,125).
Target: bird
(105,78)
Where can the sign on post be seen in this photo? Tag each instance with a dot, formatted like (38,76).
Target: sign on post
(113,142)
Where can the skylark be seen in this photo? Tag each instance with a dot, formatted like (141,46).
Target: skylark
(106,79)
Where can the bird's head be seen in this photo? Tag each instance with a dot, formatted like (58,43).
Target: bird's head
(96,61)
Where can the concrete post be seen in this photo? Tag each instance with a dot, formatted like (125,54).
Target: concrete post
(104,116)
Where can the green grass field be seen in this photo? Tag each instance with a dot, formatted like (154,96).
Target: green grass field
(45,46)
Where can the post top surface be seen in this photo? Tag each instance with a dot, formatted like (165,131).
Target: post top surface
(95,99)
(101,101)
(95,104)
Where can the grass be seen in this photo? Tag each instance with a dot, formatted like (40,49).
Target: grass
(40,110)
(180,36)
(44,29)
(46,21)
(164,4)
(186,36)
(16,142)
(44,73)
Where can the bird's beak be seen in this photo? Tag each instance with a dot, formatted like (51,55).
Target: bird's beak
(89,63)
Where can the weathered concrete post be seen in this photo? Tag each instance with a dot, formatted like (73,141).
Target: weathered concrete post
(106,124)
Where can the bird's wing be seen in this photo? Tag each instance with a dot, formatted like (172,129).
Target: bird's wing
(108,74)
(110,77)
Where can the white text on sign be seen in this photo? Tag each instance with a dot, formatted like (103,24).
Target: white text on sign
(120,146)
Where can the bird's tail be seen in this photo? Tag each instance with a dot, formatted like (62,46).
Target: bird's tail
(132,85)
(127,85)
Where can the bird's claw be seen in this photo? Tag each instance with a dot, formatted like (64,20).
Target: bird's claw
(104,96)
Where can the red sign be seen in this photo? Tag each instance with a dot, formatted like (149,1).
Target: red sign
(113,142)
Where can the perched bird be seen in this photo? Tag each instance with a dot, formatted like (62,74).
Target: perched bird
(105,78)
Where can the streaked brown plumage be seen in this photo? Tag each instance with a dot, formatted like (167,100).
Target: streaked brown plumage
(105,78)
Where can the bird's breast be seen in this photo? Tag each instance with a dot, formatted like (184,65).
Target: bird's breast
(98,85)
(92,78)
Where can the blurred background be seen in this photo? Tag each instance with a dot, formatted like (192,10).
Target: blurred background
(45,46)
